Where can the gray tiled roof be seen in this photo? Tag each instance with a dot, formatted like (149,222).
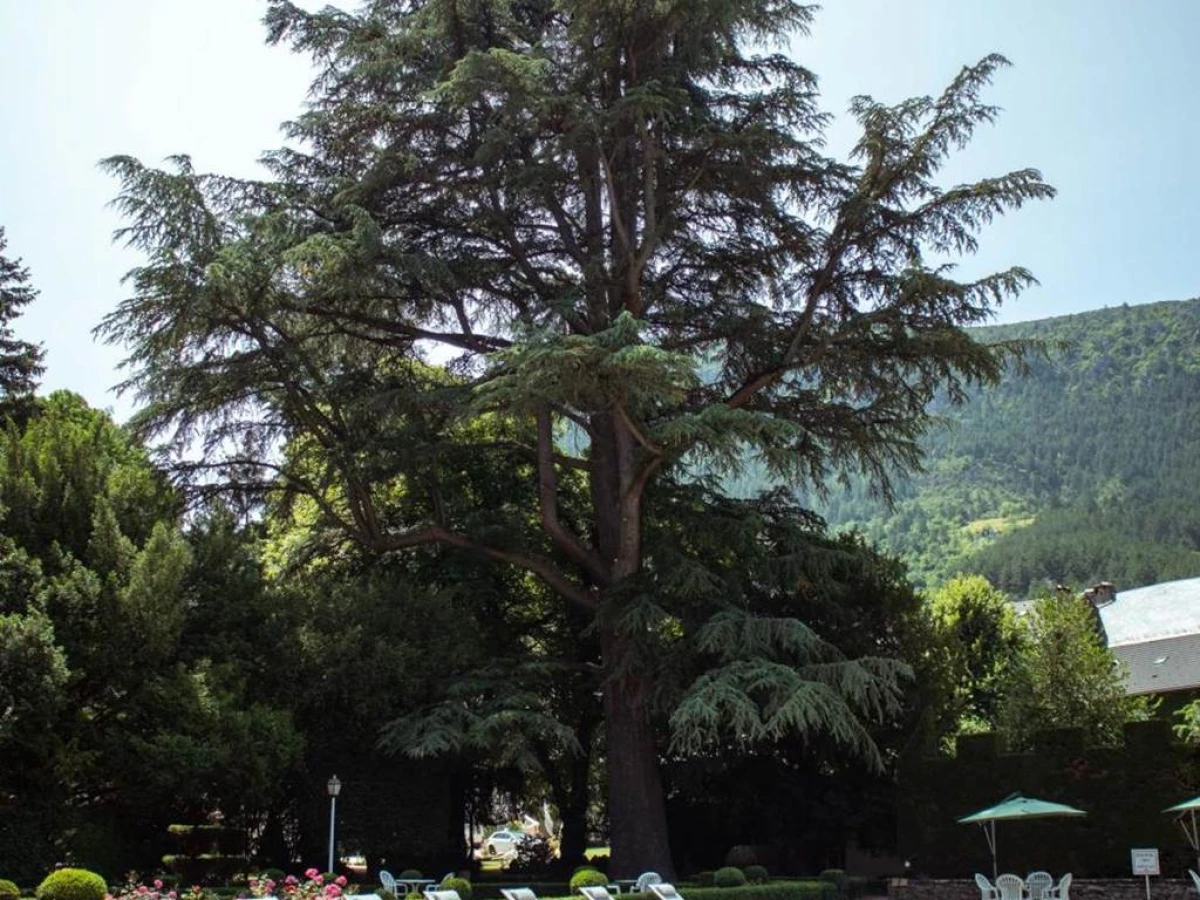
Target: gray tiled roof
(1154,613)
(1154,667)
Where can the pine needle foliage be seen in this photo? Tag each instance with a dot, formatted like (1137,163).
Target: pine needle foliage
(599,218)
(21,362)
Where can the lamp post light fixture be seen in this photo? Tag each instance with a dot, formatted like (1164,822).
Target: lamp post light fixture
(335,788)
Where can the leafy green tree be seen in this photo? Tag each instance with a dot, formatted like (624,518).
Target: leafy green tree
(20,361)
(616,221)
(1066,677)
(976,642)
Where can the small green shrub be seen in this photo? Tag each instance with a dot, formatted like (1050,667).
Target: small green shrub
(9,890)
(72,884)
(587,877)
(703,879)
(757,874)
(410,873)
(836,877)
(729,877)
(454,883)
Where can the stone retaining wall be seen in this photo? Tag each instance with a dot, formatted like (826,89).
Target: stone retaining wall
(1081,889)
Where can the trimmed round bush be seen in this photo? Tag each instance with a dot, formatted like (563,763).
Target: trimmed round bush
(588,877)
(729,877)
(9,890)
(72,884)
(454,883)
(836,877)
(410,873)
(757,874)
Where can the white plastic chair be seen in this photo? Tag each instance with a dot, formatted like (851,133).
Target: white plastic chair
(1195,880)
(1010,887)
(389,884)
(518,894)
(987,891)
(1063,891)
(1038,885)
(592,892)
(664,890)
(645,880)
(442,894)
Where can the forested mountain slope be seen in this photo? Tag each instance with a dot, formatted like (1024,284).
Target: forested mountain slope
(1087,468)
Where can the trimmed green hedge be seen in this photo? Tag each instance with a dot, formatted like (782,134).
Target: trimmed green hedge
(779,890)
(72,884)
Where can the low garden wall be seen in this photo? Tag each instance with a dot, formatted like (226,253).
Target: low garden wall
(1081,889)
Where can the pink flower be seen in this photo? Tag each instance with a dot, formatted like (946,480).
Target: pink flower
(270,886)
(340,881)
(332,890)
(311,873)
(291,879)
(158,884)
(319,879)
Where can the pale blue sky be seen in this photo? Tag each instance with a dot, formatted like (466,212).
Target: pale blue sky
(1101,98)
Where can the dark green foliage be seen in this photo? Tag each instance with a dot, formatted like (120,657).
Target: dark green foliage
(20,361)
(534,854)
(1121,788)
(756,874)
(72,884)
(729,877)
(837,877)
(454,883)
(776,890)
(1080,471)
(587,877)
(703,878)
(410,873)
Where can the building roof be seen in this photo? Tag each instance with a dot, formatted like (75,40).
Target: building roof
(1152,614)
(1158,667)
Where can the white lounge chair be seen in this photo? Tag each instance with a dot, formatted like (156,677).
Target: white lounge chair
(442,894)
(1038,885)
(987,890)
(518,894)
(593,892)
(1010,887)
(665,891)
(1195,880)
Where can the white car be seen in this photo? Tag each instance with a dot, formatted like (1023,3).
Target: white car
(503,842)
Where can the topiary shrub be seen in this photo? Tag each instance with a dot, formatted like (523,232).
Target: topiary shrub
(454,883)
(836,877)
(757,874)
(588,877)
(409,873)
(729,877)
(72,884)
(9,890)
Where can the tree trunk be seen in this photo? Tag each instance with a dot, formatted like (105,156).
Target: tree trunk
(636,811)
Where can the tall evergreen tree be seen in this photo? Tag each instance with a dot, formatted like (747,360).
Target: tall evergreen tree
(20,361)
(615,223)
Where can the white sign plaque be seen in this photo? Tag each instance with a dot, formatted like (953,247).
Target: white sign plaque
(1145,860)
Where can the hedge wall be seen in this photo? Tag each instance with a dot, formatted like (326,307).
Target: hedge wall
(1123,790)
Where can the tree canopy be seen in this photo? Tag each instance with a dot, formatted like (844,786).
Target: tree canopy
(20,361)
(599,243)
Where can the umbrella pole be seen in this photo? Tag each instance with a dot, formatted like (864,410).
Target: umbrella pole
(1195,836)
(990,834)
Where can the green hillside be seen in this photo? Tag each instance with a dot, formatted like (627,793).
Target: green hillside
(1088,468)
